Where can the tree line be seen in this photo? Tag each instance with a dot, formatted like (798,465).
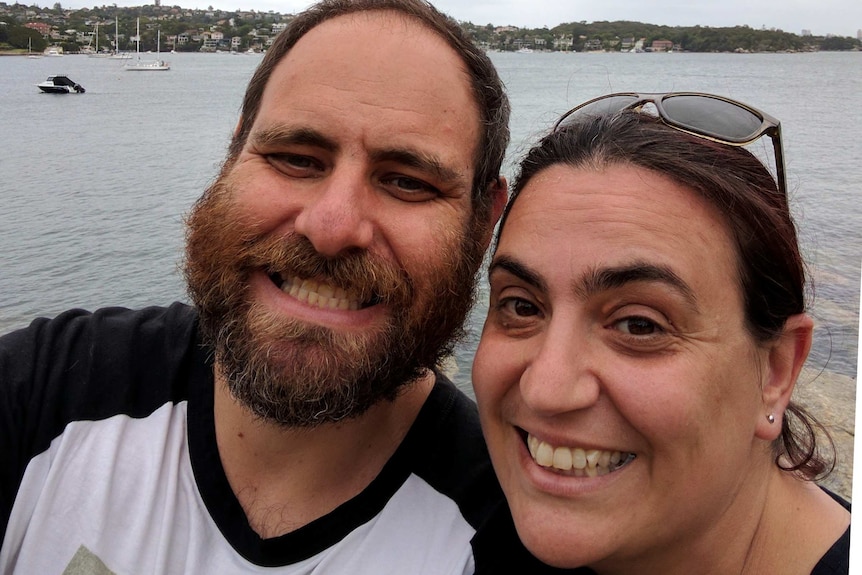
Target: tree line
(581,35)
(610,36)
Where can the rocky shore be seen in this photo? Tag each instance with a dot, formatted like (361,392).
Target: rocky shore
(832,399)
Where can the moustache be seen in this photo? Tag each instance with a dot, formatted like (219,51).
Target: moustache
(368,277)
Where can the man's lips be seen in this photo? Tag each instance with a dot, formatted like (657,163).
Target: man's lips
(319,293)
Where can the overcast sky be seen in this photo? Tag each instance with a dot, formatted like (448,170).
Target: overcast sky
(840,17)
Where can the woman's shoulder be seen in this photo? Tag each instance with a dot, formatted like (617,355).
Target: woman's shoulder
(836,561)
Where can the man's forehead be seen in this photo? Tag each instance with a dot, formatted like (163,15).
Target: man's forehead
(383,43)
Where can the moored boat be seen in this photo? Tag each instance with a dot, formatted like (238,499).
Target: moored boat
(60,85)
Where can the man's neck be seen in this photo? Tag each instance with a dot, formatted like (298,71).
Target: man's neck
(286,478)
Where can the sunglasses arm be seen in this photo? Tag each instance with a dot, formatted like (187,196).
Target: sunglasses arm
(779,159)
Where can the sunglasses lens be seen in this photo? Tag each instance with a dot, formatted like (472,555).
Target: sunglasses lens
(600,107)
(712,117)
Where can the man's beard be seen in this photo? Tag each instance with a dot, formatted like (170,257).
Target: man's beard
(299,375)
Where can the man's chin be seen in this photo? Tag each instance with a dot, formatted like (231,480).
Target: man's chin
(313,376)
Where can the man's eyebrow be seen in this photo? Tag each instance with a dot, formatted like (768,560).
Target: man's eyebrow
(603,279)
(277,137)
(423,162)
(519,270)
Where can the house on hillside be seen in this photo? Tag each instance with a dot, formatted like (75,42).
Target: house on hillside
(662,46)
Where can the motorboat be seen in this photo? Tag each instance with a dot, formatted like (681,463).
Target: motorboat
(60,85)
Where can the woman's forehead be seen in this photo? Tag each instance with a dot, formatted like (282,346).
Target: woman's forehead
(589,217)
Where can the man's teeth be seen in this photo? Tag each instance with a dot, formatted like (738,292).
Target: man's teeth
(320,294)
(576,461)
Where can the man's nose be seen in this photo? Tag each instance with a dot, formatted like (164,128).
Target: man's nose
(339,219)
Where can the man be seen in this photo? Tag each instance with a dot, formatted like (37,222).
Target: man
(292,419)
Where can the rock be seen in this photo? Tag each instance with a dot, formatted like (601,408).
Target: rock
(831,398)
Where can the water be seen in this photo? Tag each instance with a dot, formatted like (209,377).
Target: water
(94,186)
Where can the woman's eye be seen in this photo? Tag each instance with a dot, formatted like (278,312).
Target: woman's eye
(638,326)
(519,307)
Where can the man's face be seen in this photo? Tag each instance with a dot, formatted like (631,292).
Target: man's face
(335,257)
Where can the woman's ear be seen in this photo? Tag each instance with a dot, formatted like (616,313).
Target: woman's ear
(785,358)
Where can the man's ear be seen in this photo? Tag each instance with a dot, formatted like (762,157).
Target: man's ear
(786,356)
(238,128)
(498,189)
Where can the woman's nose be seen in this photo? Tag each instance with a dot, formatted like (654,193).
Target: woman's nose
(560,377)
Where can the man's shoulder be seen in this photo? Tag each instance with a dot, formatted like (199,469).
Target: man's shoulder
(74,324)
(93,365)
(85,371)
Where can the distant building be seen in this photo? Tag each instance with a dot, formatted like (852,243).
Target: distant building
(563,42)
(805,32)
(594,45)
(41,27)
(662,45)
(859,34)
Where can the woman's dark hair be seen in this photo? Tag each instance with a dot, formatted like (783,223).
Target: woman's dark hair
(770,268)
(488,90)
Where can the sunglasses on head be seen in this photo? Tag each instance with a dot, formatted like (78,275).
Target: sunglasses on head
(706,116)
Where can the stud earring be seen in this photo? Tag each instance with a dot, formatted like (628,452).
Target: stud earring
(770,418)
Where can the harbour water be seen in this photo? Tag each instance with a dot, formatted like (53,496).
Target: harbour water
(93,187)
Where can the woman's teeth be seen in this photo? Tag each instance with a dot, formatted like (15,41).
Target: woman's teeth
(576,461)
(320,294)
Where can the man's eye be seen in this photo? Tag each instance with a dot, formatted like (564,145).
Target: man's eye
(408,183)
(409,189)
(292,161)
(638,326)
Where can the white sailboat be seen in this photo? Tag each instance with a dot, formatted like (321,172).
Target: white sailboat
(30,53)
(117,55)
(153,65)
(96,53)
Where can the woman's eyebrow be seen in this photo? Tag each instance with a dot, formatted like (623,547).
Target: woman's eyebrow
(518,269)
(603,279)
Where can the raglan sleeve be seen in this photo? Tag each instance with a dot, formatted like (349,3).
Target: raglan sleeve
(36,364)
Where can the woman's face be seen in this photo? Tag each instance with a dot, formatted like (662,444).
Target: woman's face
(618,387)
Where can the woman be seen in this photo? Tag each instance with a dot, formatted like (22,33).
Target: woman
(646,328)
